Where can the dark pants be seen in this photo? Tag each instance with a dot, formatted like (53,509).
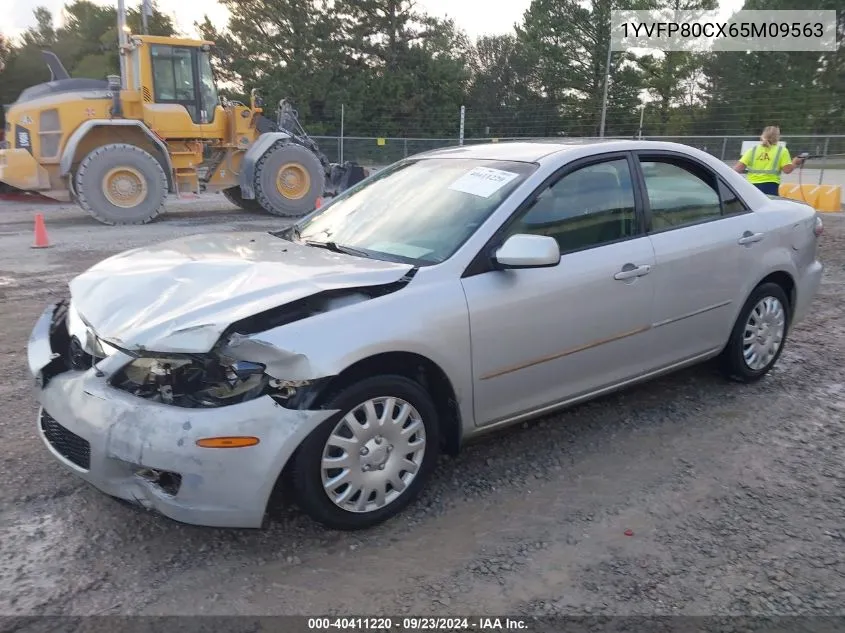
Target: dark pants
(769,188)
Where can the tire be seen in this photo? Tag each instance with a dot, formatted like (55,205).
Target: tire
(309,176)
(233,195)
(139,167)
(307,471)
(734,363)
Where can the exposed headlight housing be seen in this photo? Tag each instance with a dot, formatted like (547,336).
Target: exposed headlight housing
(193,381)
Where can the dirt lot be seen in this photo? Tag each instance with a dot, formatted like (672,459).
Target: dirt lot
(735,494)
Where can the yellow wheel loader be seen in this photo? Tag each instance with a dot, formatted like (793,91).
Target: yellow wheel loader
(119,147)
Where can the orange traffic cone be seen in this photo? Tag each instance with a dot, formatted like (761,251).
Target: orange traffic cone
(41,239)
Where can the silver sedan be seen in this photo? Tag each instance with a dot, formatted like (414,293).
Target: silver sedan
(452,293)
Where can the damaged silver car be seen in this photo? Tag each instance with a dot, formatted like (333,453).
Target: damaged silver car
(452,293)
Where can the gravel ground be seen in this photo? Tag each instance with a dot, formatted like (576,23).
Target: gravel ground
(687,495)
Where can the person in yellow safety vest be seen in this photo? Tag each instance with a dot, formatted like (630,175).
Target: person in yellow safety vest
(764,162)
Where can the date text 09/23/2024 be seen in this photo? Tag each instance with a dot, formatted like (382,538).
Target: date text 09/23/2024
(406,623)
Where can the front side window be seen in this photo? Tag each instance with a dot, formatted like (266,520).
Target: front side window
(679,193)
(419,211)
(588,207)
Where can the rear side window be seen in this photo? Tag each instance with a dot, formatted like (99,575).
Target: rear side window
(679,193)
(731,204)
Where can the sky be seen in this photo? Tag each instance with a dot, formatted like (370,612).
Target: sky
(474,16)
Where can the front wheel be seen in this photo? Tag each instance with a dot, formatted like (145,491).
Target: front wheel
(288,180)
(759,334)
(121,184)
(366,464)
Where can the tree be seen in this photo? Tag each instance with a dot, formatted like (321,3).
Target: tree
(504,97)
(799,91)
(391,66)
(671,78)
(86,44)
(570,42)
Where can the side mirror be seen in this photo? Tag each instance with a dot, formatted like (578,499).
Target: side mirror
(528,251)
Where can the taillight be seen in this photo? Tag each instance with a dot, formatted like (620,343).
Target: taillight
(818,229)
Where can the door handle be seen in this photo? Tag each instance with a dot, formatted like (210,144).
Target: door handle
(629,271)
(749,238)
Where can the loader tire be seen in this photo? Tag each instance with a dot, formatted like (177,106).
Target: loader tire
(288,180)
(233,195)
(121,184)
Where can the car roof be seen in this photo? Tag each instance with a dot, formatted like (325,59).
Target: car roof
(534,151)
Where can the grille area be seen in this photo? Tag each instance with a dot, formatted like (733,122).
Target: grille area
(67,444)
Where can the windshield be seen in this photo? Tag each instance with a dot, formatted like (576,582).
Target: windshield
(418,211)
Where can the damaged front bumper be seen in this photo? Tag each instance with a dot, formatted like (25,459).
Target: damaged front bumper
(146,452)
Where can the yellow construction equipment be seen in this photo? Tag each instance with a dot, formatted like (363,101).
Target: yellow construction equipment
(119,147)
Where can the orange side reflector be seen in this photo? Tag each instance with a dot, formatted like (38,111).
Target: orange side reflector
(227,442)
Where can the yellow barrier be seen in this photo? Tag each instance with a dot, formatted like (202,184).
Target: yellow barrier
(826,198)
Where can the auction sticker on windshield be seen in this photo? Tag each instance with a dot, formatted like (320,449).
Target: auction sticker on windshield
(482,181)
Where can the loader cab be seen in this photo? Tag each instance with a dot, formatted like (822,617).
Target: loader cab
(182,75)
(175,71)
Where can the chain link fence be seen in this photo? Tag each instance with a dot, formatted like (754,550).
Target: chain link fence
(372,151)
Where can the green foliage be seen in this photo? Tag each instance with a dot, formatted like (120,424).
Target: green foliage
(397,72)
(86,44)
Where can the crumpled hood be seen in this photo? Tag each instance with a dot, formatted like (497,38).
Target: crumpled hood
(180,295)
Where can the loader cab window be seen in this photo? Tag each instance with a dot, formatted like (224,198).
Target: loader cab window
(182,75)
(208,90)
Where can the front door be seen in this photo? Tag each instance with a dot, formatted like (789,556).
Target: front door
(542,336)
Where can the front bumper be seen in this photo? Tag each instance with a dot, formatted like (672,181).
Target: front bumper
(19,169)
(113,439)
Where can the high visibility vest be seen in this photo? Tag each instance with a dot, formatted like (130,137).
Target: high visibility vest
(771,172)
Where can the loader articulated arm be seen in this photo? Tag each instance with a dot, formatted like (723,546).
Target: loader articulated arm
(287,120)
(338,177)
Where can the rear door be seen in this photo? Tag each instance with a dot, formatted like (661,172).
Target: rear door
(705,241)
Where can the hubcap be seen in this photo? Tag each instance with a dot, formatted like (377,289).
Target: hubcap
(764,332)
(124,187)
(373,454)
(293,181)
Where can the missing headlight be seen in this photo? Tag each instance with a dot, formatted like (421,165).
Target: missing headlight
(193,382)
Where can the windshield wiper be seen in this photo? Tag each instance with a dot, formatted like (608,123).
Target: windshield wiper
(337,248)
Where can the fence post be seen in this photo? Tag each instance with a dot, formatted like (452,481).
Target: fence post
(824,158)
(341,133)
(724,146)
(461,139)
(406,148)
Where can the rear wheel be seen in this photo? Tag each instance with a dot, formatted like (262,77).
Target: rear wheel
(233,195)
(121,184)
(288,180)
(365,465)
(759,334)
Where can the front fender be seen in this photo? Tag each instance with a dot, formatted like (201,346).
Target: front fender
(251,158)
(66,162)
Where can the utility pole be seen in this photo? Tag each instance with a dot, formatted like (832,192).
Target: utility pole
(606,82)
(146,11)
(342,112)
